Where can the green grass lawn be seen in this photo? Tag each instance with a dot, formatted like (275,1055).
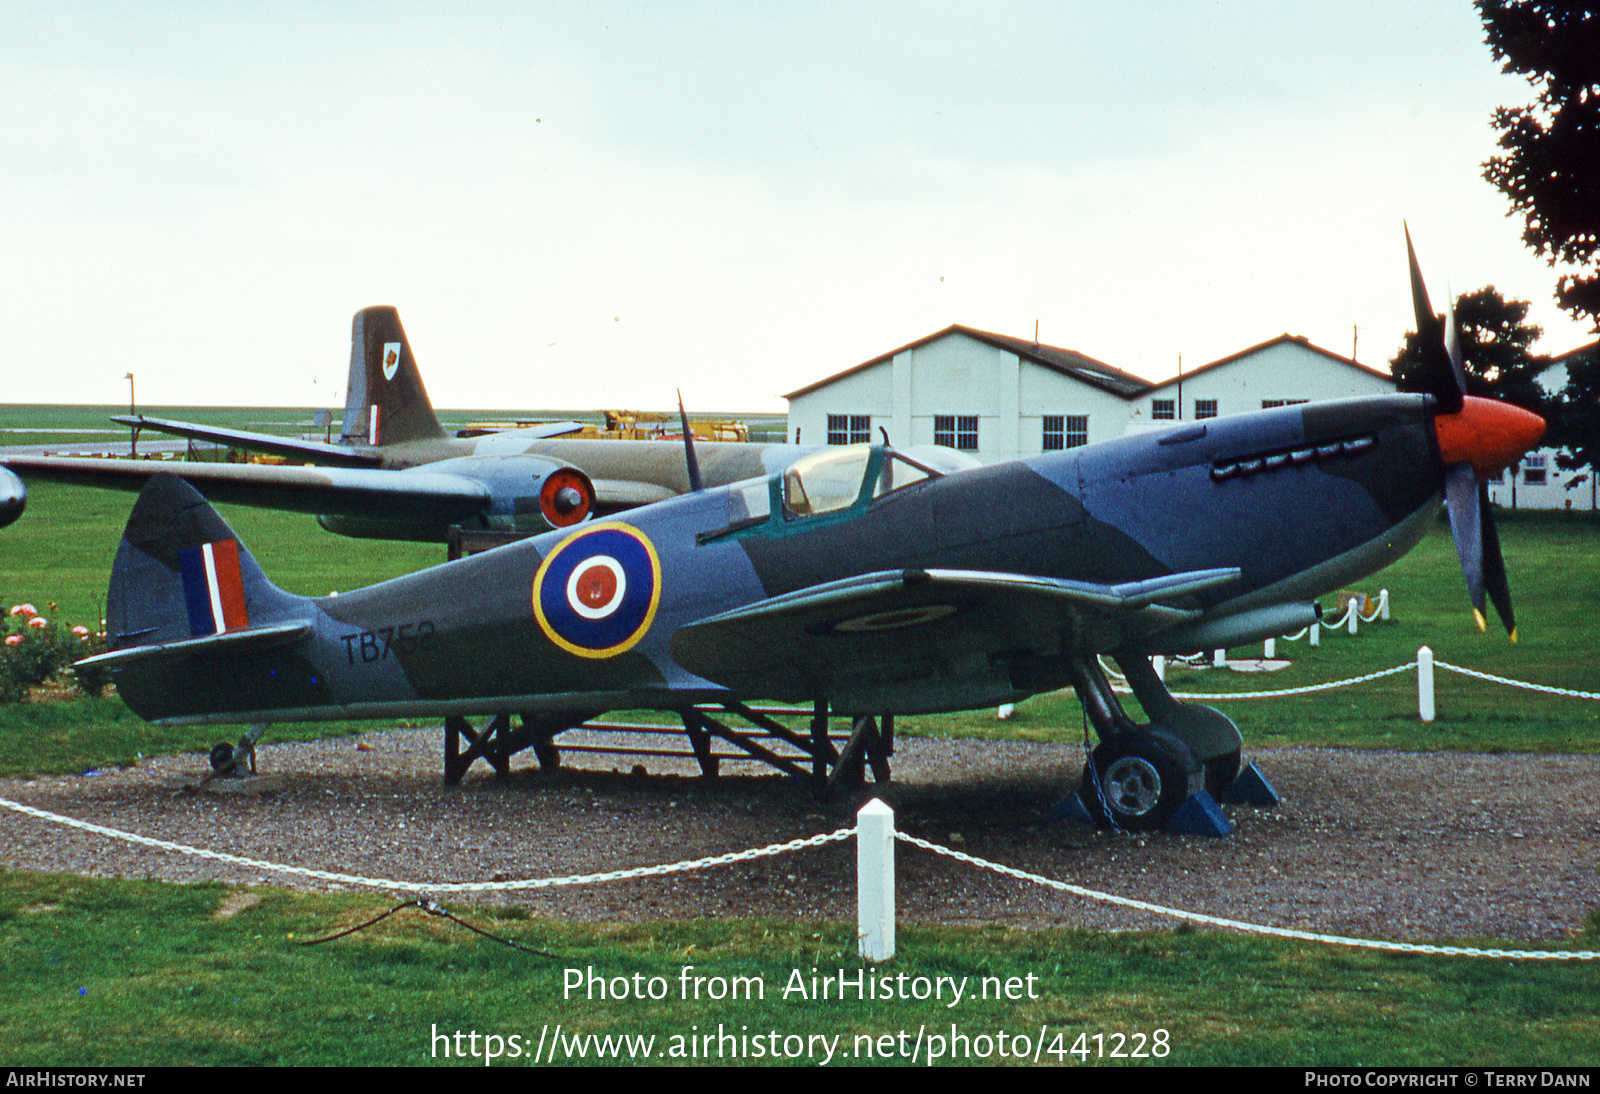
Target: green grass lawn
(121,974)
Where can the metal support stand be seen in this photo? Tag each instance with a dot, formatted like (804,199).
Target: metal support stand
(490,744)
(871,743)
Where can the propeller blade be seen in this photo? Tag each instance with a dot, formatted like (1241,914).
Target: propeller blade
(1452,342)
(1466,527)
(1439,375)
(1494,564)
(688,447)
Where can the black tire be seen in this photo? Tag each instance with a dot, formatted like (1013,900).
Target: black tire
(221,757)
(1142,781)
(1220,773)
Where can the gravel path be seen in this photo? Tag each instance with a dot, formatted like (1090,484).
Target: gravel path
(1379,844)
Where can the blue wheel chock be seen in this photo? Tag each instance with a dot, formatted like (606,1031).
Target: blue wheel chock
(1200,815)
(1071,808)
(1251,788)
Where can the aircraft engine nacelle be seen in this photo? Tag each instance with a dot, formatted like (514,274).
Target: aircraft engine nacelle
(528,493)
(523,494)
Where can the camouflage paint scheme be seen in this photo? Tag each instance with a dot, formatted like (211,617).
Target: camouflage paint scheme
(953,592)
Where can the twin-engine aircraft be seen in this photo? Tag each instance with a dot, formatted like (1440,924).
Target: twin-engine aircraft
(396,474)
(858,579)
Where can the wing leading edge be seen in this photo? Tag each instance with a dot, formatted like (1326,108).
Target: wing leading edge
(343,491)
(891,629)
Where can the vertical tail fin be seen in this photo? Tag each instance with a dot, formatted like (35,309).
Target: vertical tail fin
(181,573)
(386,402)
(196,630)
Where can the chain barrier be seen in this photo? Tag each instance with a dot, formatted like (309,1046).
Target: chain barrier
(1248,928)
(1407,667)
(421,887)
(781,848)
(1516,683)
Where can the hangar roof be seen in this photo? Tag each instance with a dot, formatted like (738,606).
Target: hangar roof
(1064,361)
(1294,339)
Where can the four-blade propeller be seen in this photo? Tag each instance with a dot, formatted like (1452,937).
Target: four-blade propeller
(1478,439)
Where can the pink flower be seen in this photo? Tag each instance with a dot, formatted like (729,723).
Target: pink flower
(24,609)
(38,621)
(13,639)
(81,631)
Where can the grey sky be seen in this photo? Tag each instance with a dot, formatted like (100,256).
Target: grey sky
(592,204)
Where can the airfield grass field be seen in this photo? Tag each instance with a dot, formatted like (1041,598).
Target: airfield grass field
(120,973)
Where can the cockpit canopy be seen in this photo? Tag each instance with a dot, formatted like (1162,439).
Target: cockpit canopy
(831,480)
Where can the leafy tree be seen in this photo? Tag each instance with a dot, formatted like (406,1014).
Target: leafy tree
(1551,167)
(1496,350)
(1575,418)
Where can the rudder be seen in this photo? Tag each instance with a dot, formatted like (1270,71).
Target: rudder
(386,402)
(181,573)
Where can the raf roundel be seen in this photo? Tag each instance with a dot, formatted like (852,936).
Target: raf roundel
(596,594)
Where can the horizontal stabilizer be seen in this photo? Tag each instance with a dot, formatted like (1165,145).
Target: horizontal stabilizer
(318,452)
(255,638)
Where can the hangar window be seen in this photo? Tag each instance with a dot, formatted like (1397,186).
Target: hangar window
(1268,404)
(1163,410)
(1054,441)
(1065,431)
(1205,408)
(958,431)
(1533,471)
(849,428)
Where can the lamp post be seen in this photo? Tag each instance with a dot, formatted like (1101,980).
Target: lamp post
(133,435)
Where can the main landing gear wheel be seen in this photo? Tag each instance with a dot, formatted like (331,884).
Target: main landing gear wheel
(1220,773)
(1142,780)
(222,757)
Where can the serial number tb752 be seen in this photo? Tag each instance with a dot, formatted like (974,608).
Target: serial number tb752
(376,645)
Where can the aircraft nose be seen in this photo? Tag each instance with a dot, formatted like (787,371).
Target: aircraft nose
(13,496)
(1489,435)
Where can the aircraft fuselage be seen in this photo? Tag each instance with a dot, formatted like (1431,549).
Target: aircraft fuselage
(1301,500)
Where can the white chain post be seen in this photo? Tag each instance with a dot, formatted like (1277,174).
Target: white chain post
(1316,634)
(1353,614)
(1159,663)
(1269,649)
(1425,683)
(1219,658)
(875,881)
(1383,605)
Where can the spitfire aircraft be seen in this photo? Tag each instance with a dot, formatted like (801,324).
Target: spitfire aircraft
(858,579)
(395,474)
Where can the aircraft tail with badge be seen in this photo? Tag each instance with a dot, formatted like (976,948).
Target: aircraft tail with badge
(385,402)
(193,623)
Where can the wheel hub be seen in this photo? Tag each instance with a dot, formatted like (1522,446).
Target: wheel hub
(1133,786)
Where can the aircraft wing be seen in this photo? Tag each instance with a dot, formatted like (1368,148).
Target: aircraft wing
(335,455)
(337,491)
(870,631)
(611,495)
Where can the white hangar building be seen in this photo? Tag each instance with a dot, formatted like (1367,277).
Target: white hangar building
(998,398)
(1538,482)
